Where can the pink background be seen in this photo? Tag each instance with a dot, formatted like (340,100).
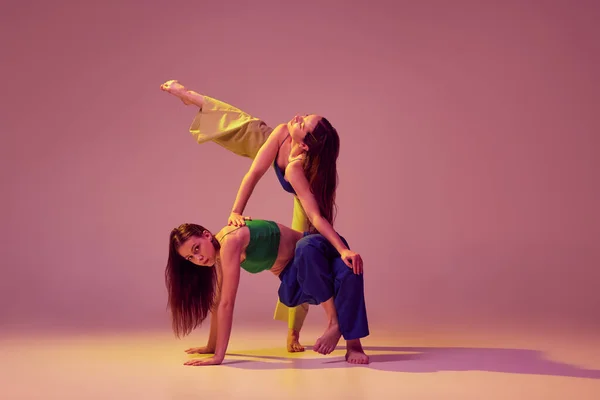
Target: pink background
(468,167)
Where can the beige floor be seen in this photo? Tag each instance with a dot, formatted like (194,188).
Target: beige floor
(452,365)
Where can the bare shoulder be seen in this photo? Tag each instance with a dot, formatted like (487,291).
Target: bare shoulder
(280,132)
(233,237)
(294,171)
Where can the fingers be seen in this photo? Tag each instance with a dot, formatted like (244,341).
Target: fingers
(359,264)
(194,350)
(355,263)
(351,263)
(241,221)
(204,361)
(194,363)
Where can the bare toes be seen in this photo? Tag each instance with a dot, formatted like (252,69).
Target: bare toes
(317,346)
(297,348)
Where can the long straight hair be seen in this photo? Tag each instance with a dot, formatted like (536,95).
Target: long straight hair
(320,167)
(191,289)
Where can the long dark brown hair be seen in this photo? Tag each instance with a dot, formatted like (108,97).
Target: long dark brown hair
(320,167)
(192,289)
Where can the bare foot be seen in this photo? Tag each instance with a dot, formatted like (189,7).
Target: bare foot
(293,342)
(326,343)
(355,353)
(176,89)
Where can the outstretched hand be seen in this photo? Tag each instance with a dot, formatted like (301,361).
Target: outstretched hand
(352,260)
(236,219)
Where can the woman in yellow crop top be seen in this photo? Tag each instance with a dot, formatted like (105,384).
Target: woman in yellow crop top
(203,273)
(302,152)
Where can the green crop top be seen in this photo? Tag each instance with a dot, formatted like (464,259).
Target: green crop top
(263,247)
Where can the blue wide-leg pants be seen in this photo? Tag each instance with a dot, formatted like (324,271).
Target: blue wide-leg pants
(318,273)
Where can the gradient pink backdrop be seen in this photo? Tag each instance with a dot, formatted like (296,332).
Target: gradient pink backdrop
(468,167)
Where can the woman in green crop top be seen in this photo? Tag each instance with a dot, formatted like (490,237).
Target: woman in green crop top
(303,153)
(203,273)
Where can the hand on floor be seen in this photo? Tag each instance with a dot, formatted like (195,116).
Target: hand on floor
(200,350)
(205,361)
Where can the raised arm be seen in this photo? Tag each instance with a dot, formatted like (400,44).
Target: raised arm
(295,175)
(262,162)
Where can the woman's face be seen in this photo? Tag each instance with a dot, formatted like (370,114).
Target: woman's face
(199,250)
(300,126)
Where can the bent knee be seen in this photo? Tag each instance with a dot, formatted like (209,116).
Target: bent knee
(347,277)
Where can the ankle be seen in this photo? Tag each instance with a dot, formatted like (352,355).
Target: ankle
(354,344)
(333,323)
(293,332)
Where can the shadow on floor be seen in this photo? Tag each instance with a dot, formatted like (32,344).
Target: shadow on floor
(419,360)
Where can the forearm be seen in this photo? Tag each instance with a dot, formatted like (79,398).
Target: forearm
(225,320)
(325,229)
(244,193)
(212,336)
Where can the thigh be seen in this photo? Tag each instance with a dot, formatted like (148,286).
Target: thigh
(340,271)
(319,241)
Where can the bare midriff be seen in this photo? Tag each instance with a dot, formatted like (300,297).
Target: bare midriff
(287,248)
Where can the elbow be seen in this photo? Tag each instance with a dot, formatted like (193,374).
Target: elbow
(314,219)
